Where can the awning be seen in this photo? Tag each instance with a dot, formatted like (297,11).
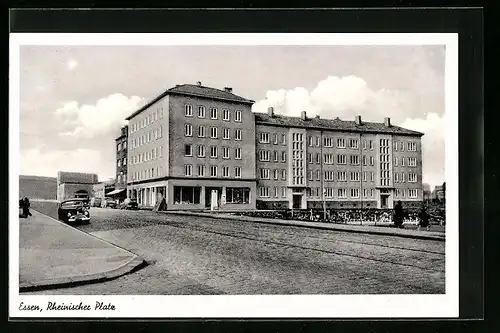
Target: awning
(116,191)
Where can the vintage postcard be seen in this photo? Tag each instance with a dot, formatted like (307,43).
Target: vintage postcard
(233,175)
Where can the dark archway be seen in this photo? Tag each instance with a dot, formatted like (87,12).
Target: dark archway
(82,194)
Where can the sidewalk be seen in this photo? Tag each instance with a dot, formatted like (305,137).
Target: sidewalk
(53,254)
(386,231)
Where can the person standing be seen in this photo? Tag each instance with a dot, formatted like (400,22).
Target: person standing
(398,215)
(423,218)
(26,207)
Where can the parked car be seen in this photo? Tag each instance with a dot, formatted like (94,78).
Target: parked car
(109,203)
(96,202)
(129,204)
(73,211)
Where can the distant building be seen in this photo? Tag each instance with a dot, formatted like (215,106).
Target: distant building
(75,185)
(36,187)
(121,158)
(439,192)
(427,193)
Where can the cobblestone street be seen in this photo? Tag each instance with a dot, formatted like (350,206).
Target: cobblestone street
(196,256)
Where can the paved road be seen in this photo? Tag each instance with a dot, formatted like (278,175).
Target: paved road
(199,256)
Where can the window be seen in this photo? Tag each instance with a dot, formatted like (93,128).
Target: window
(225,152)
(213,132)
(354,192)
(213,113)
(188,110)
(318,175)
(329,175)
(275,156)
(237,153)
(201,151)
(318,141)
(225,171)
(237,134)
(402,146)
(213,171)
(283,192)
(371,160)
(188,130)
(354,159)
(364,160)
(318,158)
(402,161)
(328,192)
(188,150)
(225,114)
(188,170)
(311,141)
(237,195)
(328,142)
(412,146)
(124,144)
(213,151)
(310,157)
(340,143)
(275,174)
(396,177)
(412,193)
(119,163)
(353,144)
(372,176)
(186,195)
(124,162)
(395,145)
(201,112)
(311,175)
(275,141)
(225,133)
(342,193)
(371,144)
(264,192)
(264,173)
(412,161)
(364,144)
(354,176)
(412,178)
(283,174)
(264,155)
(264,137)
(403,177)
(237,172)
(283,156)
(119,147)
(329,158)
(201,131)
(283,139)
(395,161)
(237,116)
(201,171)
(341,159)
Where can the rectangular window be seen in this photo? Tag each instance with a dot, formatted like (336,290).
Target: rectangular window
(275,139)
(237,172)
(187,195)
(201,112)
(402,146)
(371,160)
(201,151)
(354,159)
(188,110)
(213,171)
(264,173)
(412,178)
(412,161)
(213,113)
(354,176)
(310,157)
(188,170)
(318,141)
(283,192)
(237,195)
(264,137)
(225,133)
(342,193)
(318,158)
(225,114)
(225,171)
(311,141)
(340,143)
(327,142)
(237,116)
(119,147)
(364,160)
(354,192)
(372,176)
(275,174)
(371,144)
(188,150)
(119,163)
(412,193)
(264,192)
(201,131)
(329,158)
(213,151)
(329,175)
(124,162)
(402,161)
(353,144)
(225,152)
(237,134)
(328,192)
(283,156)
(396,177)
(201,171)
(311,175)
(403,177)
(412,146)
(395,161)
(341,159)
(283,174)
(396,146)
(341,176)
(283,139)
(188,130)
(264,155)
(237,153)
(213,132)
(275,156)
(318,175)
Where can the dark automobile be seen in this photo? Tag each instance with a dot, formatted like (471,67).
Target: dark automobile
(73,211)
(129,204)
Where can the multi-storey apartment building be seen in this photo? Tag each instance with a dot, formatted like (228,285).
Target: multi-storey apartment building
(121,158)
(193,145)
(311,162)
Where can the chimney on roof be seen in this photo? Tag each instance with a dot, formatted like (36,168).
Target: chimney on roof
(228,89)
(387,122)
(270,111)
(198,83)
(358,120)
(303,115)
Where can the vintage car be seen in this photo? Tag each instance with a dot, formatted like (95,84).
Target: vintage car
(129,204)
(109,203)
(73,211)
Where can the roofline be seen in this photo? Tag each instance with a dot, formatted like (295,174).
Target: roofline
(168,92)
(321,128)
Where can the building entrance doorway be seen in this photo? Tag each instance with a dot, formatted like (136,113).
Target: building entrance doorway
(384,199)
(208,196)
(82,194)
(297,201)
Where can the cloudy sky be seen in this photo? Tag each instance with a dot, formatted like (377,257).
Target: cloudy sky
(73,100)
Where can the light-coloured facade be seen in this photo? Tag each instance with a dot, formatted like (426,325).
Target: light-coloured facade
(75,185)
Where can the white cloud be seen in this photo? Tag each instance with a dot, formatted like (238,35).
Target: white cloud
(101,119)
(345,97)
(42,162)
(71,64)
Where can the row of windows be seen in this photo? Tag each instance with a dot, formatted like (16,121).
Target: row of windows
(214,132)
(147,173)
(214,113)
(400,177)
(264,156)
(121,178)
(341,193)
(121,162)
(264,192)
(410,193)
(147,155)
(410,146)
(148,137)
(213,171)
(121,146)
(214,151)
(265,138)
(147,119)
(412,161)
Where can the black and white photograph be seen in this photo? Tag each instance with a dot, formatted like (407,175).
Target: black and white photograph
(234,175)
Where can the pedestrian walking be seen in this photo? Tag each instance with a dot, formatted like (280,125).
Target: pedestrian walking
(26,207)
(423,218)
